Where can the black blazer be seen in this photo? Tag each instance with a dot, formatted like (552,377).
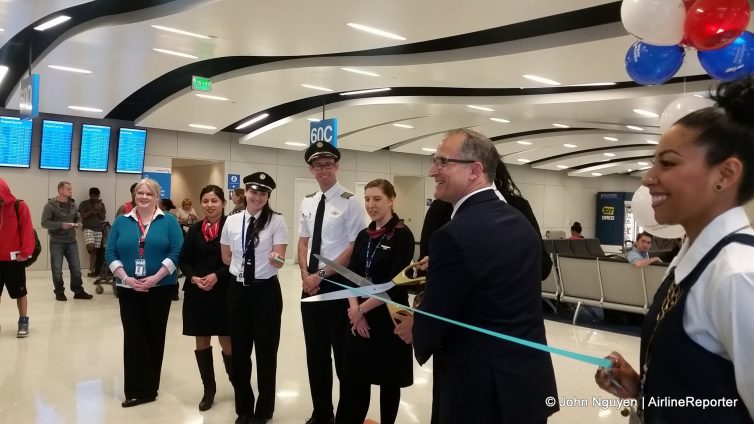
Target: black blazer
(484,271)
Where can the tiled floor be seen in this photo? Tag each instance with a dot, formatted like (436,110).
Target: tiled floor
(69,370)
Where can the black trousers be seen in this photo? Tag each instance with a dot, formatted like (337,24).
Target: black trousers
(254,314)
(325,326)
(354,403)
(144,316)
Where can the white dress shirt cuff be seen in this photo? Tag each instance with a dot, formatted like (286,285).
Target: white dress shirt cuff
(169,265)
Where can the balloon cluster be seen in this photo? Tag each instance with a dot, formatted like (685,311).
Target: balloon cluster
(665,28)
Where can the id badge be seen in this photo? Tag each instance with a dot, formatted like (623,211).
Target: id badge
(141,268)
(240,276)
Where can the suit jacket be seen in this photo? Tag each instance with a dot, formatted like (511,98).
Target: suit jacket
(485,271)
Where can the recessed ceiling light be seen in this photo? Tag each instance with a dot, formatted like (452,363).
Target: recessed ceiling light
(486,109)
(501,120)
(525,143)
(403,126)
(562,167)
(85,109)
(52,22)
(210,97)
(541,79)
(524,160)
(69,69)
(3,71)
(596,174)
(293,143)
(634,127)
(178,31)
(610,138)
(376,31)
(429,149)
(2,30)
(653,142)
(610,155)
(313,119)
(592,84)
(371,90)
(252,121)
(570,146)
(359,71)
(316,87)
(646,113)
(202,126)
(560,125)
(179,54)
(642,163)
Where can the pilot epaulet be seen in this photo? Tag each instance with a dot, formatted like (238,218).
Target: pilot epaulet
(346,195)
(235,212)
(311,195)
(276,213)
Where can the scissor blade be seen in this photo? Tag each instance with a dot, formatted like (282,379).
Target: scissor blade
(340,269)
(373,289)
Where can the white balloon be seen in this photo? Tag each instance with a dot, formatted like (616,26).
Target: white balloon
(644,215)
(657,22)
(681,107)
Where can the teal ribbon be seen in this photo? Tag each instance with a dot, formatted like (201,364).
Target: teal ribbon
(592,360)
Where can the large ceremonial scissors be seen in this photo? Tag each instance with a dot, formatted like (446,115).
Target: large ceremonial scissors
(366,287)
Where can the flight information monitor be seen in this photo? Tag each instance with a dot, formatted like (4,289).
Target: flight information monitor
(56,145)
(95,148)
(15,142)
(131,147)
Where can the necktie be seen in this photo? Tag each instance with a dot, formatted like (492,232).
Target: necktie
(317,236)
(249,263)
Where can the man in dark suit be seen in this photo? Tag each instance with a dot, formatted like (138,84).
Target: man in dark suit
(484,270)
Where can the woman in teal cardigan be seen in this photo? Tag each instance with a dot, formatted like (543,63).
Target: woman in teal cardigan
(142,252)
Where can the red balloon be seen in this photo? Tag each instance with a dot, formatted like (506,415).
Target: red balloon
(712,24)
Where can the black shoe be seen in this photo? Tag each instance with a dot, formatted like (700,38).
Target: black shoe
(61,297)
(260,420)
(91,274)
(82,295)
(136,401)
(243,419)
(175,297)
(315,420)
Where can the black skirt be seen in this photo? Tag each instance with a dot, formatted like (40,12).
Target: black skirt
(205,313)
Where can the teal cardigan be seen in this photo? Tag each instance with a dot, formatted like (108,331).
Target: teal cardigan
(164,240)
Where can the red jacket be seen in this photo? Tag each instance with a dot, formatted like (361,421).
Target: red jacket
(11,239)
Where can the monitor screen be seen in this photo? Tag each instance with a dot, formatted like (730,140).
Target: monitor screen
(56,145)
(95,148)
(131,146)
(15,142)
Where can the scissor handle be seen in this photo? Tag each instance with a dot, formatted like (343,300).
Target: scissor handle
(407,277)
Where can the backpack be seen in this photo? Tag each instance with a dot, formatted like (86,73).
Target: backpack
(37,245)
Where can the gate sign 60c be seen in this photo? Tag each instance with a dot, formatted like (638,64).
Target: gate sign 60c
(325,130)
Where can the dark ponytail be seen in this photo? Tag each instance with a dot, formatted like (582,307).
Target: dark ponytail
(264,218)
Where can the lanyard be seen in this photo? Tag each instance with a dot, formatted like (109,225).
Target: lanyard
(143,232)
(369,257)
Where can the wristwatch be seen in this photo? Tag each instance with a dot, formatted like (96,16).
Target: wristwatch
(321,273)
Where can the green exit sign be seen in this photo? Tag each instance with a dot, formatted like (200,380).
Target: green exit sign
(200,83)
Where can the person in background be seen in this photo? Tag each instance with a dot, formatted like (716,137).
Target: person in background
(576,231)
(639,255)
(142,252)
(167,205)
(697,338)
(482,380)
(60,217)
(127,206)
(16,246)
(238,198)
(186,214)
(253,244)
(92,213)
(381,251)
(329,221)
(205,312)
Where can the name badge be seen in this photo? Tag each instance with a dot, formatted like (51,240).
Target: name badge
(140,270)
(240,275)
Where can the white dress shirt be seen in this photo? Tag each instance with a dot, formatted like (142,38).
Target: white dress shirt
(342,222)
(719,313)
(463,199)
(275,233)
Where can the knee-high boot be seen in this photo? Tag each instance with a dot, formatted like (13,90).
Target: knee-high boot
(207,372)
(226,362)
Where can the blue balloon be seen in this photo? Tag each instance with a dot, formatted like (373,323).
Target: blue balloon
(732,61)
(649,65)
